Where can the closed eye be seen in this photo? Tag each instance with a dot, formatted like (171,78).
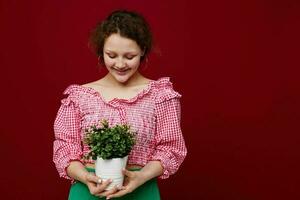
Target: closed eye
(111,56)
(130,57)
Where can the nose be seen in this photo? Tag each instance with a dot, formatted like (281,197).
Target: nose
(120,63)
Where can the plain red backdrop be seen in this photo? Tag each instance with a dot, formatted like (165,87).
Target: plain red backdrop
(236,63)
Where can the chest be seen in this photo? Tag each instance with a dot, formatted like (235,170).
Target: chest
(138,110)
(112,93)
(139,114)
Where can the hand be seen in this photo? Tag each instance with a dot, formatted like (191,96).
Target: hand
(97,186)
(133,180)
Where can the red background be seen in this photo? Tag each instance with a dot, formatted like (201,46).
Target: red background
(236,63)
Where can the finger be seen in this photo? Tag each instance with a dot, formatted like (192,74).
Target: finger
(122,188)
(109,192)
(118,194)
(128,173)
(91,177)
(101,187)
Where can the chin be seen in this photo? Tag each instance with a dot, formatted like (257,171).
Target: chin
(122,79)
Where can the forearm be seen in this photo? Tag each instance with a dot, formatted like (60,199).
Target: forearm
(151,170)
(77,171)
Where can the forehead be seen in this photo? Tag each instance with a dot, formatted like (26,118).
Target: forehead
(119,44)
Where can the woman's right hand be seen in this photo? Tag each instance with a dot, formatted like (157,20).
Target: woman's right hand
(97,186)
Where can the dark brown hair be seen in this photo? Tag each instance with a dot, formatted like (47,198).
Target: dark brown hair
(128,24)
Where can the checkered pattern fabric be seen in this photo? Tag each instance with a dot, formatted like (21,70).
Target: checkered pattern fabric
(154,114)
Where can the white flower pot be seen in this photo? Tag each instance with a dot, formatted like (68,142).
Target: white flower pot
(111,169)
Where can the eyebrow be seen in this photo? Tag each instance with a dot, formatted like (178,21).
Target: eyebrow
(130,52)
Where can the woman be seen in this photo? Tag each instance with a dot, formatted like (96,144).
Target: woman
(151,107)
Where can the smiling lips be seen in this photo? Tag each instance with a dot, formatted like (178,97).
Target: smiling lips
(121,72)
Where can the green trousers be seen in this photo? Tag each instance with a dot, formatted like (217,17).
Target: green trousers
(147,191)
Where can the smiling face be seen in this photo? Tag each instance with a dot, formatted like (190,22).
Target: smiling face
(122,57)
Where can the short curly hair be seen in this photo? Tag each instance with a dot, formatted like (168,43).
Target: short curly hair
(128,24)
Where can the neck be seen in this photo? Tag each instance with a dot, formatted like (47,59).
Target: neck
(132,81)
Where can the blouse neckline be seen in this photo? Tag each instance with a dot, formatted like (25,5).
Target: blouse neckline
(116,100)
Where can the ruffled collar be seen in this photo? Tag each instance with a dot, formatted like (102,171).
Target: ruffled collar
(152,85)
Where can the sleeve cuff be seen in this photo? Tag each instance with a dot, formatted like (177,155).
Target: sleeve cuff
(166,166)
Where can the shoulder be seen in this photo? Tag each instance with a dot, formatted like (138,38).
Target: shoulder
(75,92)
(164,90)
(94,84)
(76,89)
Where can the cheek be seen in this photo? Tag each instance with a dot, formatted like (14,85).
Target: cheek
(108,62)
(134,63)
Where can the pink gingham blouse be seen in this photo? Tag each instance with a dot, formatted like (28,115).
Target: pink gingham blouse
(154,113)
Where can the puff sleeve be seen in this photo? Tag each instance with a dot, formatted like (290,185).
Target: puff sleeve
(67,144)
(170,146)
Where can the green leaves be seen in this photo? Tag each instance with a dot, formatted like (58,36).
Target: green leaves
(109,142)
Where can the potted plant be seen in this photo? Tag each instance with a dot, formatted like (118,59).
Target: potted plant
(110,147)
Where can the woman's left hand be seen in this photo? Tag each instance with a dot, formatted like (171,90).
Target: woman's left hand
(133,179)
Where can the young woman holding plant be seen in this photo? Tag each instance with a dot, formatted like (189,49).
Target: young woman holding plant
(123,96)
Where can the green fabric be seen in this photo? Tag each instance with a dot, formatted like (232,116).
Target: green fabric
(147,191)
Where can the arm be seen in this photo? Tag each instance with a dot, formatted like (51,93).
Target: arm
(151,170)
(77,171)
(170,146)
(68,150)
(67,144)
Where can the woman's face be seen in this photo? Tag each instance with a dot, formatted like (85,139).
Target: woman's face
(121,57)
